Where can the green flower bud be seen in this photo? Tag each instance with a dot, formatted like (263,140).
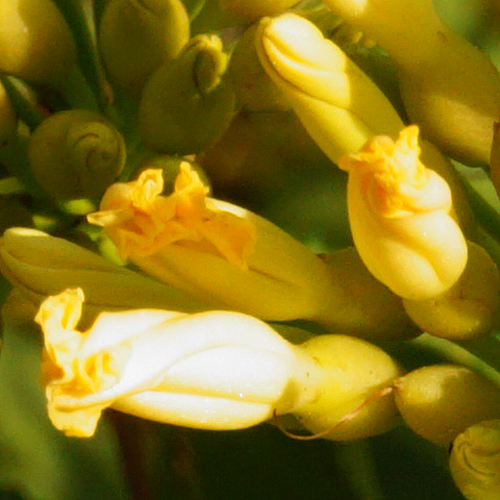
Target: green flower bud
(76,154)
(35,42)
(188,103)
(470,308)
(355,371)
(137,36)
(475,461)
(439,402)
(369,309)
(250,10)
(254,89)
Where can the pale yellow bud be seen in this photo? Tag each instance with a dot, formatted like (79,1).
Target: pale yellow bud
(36,44)
(338,104)
(137,36)
(470,308)
(363,306)
(475,461)
(439,402)
(399,217)
(354,372)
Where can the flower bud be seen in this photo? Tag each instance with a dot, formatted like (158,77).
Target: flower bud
(475,461)
(375,313)
(215,251)
(449,87)
(76,154)
(338,104)
(470,309)
(36,44)
(39,265)
(399,218)
(255,91)
(439,402)
(250,10)
(354,372)
(187,104)
(212,370)
(137,36)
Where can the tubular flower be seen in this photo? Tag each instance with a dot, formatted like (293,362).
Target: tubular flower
(212,370)
(338,104)
(399,213)
(213,250)
(475,461)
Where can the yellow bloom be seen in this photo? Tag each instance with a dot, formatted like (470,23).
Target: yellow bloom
(475,461)
(399,217)
(212,370)
(218,252)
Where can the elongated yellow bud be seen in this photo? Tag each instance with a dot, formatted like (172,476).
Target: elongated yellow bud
(475,461)
(35,42)
(449,87)
(338,104)
(39,265)
(137,36)
(470,308)
(213,370)
(439,402)
(188,103)
(76,154)
(354,372)
(399,218)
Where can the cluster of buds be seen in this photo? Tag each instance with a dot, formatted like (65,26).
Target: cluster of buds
(124,129)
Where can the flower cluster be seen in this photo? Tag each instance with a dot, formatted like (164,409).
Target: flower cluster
(163,169)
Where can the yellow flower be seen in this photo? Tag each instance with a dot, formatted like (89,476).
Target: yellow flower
(212,370)
(399,217)
(217,252)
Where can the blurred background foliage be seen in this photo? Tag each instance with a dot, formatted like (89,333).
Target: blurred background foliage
(129,458)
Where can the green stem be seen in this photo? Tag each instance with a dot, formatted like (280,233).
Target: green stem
(80,22)
(357,461)
(482,356)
